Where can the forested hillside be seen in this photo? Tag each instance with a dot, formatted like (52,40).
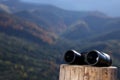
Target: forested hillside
(34,38)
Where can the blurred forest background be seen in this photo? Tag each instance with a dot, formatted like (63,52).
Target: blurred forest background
(34,38)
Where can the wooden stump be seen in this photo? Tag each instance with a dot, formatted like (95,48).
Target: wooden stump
(76,72)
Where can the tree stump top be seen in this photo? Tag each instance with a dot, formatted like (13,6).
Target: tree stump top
(113,67)
(86,72)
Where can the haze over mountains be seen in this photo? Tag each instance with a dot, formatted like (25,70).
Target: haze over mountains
(110,7)
(33,38)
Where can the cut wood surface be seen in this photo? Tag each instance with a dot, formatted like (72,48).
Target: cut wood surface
(78,72)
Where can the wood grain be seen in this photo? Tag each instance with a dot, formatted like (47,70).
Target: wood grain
(76,72)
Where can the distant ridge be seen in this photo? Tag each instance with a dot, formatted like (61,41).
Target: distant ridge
(4,8)
(34,38)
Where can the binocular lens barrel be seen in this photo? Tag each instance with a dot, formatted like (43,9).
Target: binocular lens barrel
(97,58)
(69,56)
(73,57)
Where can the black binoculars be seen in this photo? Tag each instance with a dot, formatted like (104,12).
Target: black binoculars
(94,58)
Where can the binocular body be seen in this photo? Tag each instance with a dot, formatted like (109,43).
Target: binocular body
(94,58)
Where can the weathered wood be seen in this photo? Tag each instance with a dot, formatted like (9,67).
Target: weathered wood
(76,72)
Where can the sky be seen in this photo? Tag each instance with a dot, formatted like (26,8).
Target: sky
(110,7)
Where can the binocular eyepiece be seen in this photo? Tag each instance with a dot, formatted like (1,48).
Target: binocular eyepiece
(94,58)
(73,57)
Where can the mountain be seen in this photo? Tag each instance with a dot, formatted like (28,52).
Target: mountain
(93,26)
(15,26)
(114,35)
(51,22)
(34,38)
(4,8)
(59,20)
(80,28)
(27,50)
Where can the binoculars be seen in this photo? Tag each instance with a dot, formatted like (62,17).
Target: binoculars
(94,58)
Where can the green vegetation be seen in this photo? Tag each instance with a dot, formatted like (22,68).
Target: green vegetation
(33,39)
(21,60)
